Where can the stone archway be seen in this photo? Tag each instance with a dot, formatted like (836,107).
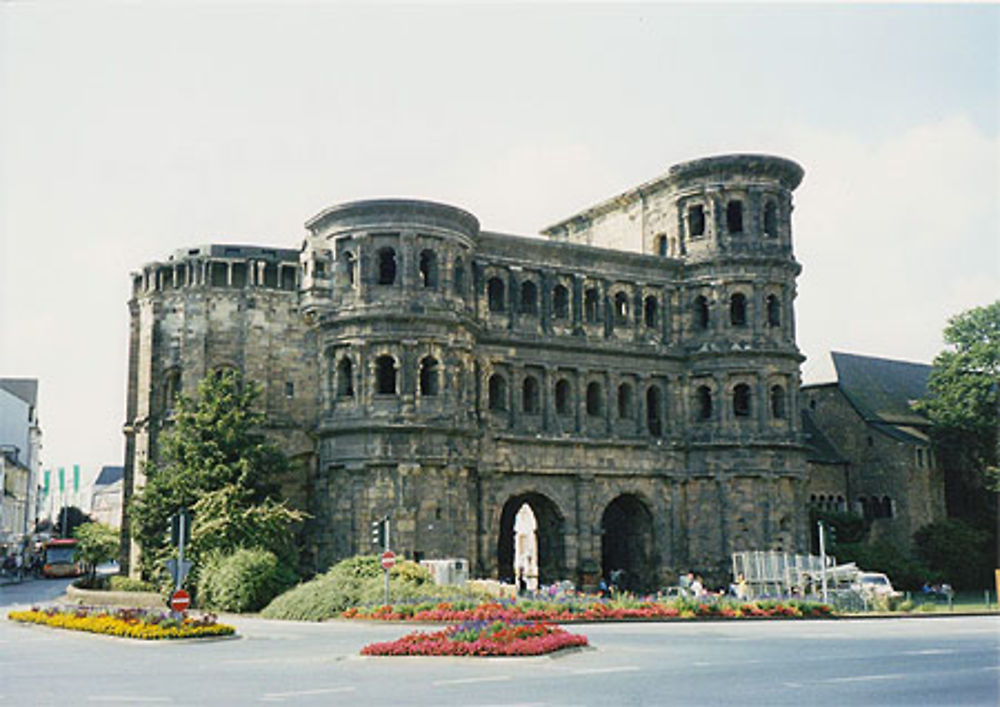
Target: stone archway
(549,532)
(627,544)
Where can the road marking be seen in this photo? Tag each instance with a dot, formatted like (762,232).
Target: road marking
(306,693)
(930,651)
(125,698)
(792,684)
(469,681)
(599,671)
(701,663)
(864,678)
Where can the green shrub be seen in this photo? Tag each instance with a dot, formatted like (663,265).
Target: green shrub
(121,583)
(245,580)
(356,581)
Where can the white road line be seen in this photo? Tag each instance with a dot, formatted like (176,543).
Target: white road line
(930,651)
(865,678)
(792,684)
(469,681)
(306,693)
(701,663)
(125,698)
(599,671)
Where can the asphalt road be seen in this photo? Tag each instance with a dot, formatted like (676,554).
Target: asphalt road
(912,661)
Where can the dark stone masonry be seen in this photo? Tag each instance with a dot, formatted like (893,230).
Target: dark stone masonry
(633,375)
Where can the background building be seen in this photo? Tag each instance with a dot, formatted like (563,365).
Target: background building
(20,447)
(871,453)
(107,492)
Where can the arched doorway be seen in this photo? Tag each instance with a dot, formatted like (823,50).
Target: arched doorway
(627,544)
(548,536)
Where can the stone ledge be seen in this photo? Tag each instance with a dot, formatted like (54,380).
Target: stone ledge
(98,597)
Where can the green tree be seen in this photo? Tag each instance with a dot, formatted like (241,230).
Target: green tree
(216,463)
(962,402)
(97,543)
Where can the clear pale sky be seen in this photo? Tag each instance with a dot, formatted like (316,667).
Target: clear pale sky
(130,129)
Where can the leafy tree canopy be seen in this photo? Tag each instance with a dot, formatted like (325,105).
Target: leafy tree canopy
(216,463)
(73,518)
(97,543)
(962,392)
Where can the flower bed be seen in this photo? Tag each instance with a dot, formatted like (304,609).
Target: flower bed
(127,623)
(481,638)
(446,612)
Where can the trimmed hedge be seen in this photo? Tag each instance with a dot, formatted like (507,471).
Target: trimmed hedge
(244,581)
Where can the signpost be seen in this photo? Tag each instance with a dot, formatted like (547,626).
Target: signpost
(180,600)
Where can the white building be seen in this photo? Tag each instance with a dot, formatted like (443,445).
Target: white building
(106,496)
(20,445)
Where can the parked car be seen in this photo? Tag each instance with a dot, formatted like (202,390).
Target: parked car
(871,585)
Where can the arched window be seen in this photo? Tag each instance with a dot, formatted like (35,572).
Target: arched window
(345,378)
(777,402)
(171,389)
(590,305)
(350,268)
(738,310)
(653,423)
(696,220)
(661,245)
(385,375)
(771,220)
(529,395)
(625,401)
(386,266)
(495,294)
(529,298)
(594,407)
(458,277)
(701,312)
(562,397)
(649,311)
(560,302)
(741,400)
(703,403)
(773,311)
(428,268)
(886,507)
(497,393)
(734,216)
(429,376)
(621,309)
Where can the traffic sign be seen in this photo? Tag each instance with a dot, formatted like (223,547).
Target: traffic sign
(388,560)
(180,600)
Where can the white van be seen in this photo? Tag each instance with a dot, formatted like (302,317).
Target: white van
(874,584)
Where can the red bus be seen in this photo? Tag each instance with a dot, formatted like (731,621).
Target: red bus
(57,560)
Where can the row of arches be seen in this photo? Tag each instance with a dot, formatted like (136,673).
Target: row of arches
(623,404)
(738,311)
(623,308)
(741,398)
(869,507)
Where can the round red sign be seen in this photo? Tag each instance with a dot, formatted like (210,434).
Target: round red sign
(180,600)
(388,560)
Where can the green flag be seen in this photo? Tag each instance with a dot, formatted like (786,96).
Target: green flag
(76,478)
(46,475)
(62,480)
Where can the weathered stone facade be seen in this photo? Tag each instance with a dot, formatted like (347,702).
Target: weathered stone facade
(878,460)
(642,403)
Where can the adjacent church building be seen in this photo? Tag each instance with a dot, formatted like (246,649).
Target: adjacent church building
(631,378)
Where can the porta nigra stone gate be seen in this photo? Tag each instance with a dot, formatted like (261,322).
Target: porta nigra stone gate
(632,375)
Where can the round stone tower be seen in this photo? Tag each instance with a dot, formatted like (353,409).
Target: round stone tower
(732,228)
(388,288)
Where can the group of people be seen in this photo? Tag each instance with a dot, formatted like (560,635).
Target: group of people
(19,563)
